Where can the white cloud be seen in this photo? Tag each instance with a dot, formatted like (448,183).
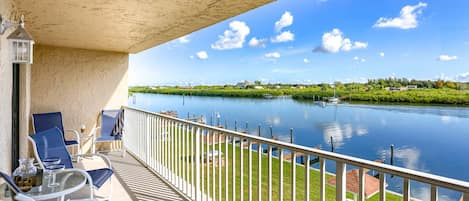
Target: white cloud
(306,61)
(381,54)
(232,38)
(274,55)
(406,20)
(445,57)
(285,21)
(191,57)
(463,77)
(334,41)
(254,42)
(359,59)
(184,39)
(202,55)
(283,37)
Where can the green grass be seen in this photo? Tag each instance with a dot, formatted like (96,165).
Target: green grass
(300,177)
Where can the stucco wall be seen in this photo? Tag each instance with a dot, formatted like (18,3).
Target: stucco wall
(6,9)
(79,83)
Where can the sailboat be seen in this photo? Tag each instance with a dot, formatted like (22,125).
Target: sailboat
(333,100)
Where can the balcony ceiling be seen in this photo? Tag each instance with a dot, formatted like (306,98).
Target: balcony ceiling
(123,25)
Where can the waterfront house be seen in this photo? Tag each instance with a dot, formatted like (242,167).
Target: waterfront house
(79,66)
(244,85)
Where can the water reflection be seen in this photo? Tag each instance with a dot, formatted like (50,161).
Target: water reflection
(449,119)
(275,121)
(340,132)
(409,157)
(423,193)
(431,110)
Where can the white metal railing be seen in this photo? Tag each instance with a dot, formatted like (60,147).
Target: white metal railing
(185,154)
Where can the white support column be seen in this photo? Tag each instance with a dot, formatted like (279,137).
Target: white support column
(406,190)
(233,142)
(226,169)
(241,168)
(382,187)
(259,171)
(280,183)
(307,181)
(250,171)
(361,184)
(269,178)
(197,165)
(293,175)
(433,193)
(340,181)
(322,179)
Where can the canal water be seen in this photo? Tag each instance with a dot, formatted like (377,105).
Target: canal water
(432,139)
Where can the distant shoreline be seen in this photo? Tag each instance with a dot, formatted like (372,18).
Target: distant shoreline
(438,97)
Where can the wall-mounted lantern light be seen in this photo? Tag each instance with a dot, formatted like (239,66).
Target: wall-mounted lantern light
(20,42)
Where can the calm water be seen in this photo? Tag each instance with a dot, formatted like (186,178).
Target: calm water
(426,138)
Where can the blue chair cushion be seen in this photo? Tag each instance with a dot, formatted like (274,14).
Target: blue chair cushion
(71,142)
(100,176)
(108,138)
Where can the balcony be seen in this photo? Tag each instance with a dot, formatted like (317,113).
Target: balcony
(209,163)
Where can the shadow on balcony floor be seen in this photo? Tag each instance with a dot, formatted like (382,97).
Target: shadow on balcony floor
(139,182)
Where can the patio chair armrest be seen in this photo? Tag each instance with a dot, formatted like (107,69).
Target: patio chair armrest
(104,157)
(88,178)
(75,134)
(94,131)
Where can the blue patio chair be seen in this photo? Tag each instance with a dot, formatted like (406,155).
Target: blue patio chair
(14,188)
(45,121)
(111,128)
(50,143)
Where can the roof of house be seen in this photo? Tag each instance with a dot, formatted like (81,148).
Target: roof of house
(371,183)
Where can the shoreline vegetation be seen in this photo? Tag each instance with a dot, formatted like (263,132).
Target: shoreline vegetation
(375,91)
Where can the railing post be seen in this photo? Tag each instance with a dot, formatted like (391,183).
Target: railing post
(259,171)
(293,175)
(382,187)
(280,183)
(361,184)
(433,193)
(197,165)
(233,166)
(465,196)
(306,161)
(340,181)
(241,168)
(322,179)
(250,171)
(269,174)
(406,190)
(226,168)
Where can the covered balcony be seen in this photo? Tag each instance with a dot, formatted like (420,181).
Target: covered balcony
(80,67)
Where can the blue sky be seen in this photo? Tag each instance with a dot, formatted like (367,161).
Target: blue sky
(315,41)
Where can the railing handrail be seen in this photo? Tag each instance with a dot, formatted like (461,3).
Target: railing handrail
(428,178)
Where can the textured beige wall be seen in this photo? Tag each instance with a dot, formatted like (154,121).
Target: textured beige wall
(123,25)
(6,9)
(79,83)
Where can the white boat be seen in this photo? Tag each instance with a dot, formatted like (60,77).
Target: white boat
(268,96)
(333,100)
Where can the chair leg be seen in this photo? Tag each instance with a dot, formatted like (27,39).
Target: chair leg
(79,152)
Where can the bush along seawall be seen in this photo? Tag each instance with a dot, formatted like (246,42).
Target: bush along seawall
(375,91)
